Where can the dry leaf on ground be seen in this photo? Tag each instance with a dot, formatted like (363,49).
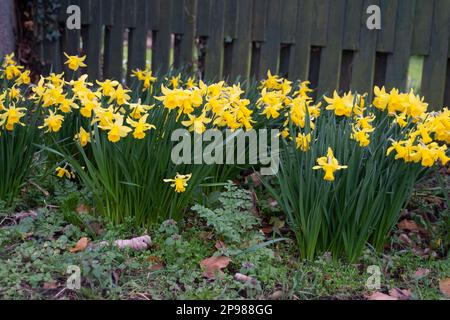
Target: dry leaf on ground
(83,208)
(50,285)
(138,243)
(381,296)
(394,294)
(81,245)
(400,294)
(245,279)
(444,286)
(25,214)
(421,272)
(214,265)
(267,229)
(408,225)
(276,295)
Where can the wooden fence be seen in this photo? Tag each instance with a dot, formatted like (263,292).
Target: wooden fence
(325,41)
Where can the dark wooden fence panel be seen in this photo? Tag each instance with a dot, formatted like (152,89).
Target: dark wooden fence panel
(326,41)
(434,72)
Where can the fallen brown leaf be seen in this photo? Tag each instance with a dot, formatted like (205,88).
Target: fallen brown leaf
(138,243)
(408,225)
(81,245)
(155,267)
(25,214)
(394,294)
(381,296)
(400,294)
(267,229)
(83,208)
(421,272)
(116,276)
(154,259)
(276,295)
(50,285)
(444,286)
(245,279)
(156,263)
(214,265)
(256,180)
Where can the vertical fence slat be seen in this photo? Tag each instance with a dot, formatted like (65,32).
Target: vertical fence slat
(231,19)
(288,22)
(113,56)
(203,17)
(321,18)
(300,56)
(434,75)
(129,14)
(259,20)
(107,14)
(363,68)
(447,86)
(249,37)
(137,40)
(51,54)
(352,24)
(178,14)
(162,39)
(270,49)
(92,40)
(85,6)
(422,27)
(398,61)
(386,36)
(214,54)
(187,41)
(240,66)
(331,54)
(153,14)
(62,16)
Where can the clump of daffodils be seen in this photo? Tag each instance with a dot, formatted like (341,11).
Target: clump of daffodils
(347,165)
(112,108)
(12,100)
(426,140)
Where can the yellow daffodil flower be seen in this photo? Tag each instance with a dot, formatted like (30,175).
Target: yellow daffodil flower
(75,62)
(83,137)
(196,124)
(342,106)
(179,182)
(11,117)
(63,172)
(53,122)
(140,127)
(329,164)
(302,141)
(116,129)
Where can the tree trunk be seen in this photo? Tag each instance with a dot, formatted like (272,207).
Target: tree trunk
(7,27)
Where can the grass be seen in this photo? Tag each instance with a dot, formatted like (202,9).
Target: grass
(415,72)
(34,255)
